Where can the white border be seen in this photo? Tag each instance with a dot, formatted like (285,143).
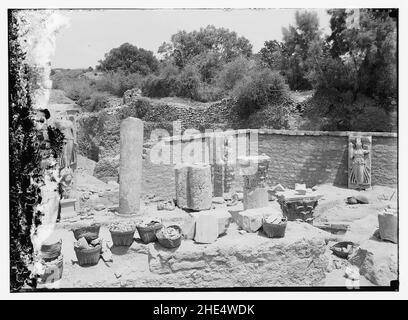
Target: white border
(403,218)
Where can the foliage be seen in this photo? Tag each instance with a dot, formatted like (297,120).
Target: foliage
(218,45)
(233,72)
(129,59)
(78,90)
(96,102)
(26,152)
(360,58)
(297,42)
(188,83)
(163,85)
(118,82)
(272,54)
(260,88)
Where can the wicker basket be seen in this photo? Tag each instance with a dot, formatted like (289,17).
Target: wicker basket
(88,256)
(90,233)
(148,234)
(274,230)
(336,249)
(51,251)
(122,238)
(169,243)
(53,272)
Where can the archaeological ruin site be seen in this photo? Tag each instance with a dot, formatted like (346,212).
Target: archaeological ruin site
(157,192)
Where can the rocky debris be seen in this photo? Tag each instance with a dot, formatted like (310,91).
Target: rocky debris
(377,261)
(99,207)
(107,169)
(81,243)
(166,205)
(362,199)
(352,272)
(123,226)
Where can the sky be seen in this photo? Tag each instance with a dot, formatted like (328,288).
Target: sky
(92,33)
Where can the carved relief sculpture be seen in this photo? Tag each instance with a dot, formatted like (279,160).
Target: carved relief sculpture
(359,162)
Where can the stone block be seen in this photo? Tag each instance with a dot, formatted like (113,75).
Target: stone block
(206,228)
(67,208)
(193,186)
(188,228)
(250,220)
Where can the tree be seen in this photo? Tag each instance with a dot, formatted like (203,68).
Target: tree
(129,59)
(360,58)
(272,54)
(223,44)
(297,41)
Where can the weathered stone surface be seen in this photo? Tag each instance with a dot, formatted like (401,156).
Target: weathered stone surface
(254,169)
(200,187)
(206,230)
(296,260)
(218,179)
(388,226)
(359,162)
(131,147)
(378,261)
(181,180)
(250,220)
(193,186)
(221,214)
(67,208)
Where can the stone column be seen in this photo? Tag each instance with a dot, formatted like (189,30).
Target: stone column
(255,170)
(193,186)
(130,174)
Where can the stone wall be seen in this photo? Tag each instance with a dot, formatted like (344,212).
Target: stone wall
(317,157)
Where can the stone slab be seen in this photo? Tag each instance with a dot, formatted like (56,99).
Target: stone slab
(206,230)
(250,220)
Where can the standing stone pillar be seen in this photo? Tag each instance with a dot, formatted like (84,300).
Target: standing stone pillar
(193,186)
(130,174)
(255,170)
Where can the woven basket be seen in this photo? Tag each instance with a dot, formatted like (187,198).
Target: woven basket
(122,238)
(336,249)
(51,251)
(148,234)
(53,272)
(88,256)
(274,230)
(169,243)
(90,233)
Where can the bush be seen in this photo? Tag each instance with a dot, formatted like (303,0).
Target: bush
(260,88)
(189,83)
(163,85)
(233,72)
(118,82)
(78,90)
(96,102)
(207,92)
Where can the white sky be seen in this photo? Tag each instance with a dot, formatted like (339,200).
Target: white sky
(92,33)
